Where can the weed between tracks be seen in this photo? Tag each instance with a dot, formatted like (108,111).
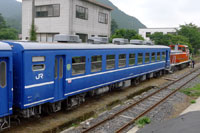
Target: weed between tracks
(193,92)
(143,121)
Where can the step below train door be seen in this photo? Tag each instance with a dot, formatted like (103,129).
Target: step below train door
(59,77)
(4,99)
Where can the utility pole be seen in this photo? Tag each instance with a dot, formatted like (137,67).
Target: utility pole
(33,11)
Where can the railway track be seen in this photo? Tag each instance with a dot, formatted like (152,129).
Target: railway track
(130,114)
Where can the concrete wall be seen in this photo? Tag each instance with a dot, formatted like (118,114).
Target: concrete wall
(92,25)
(143,32)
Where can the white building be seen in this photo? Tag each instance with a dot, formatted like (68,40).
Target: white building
(72,17)
(146,32)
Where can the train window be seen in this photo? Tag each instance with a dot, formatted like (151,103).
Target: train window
(163,56)
(122,60)
(61,68)
(183,49)
(140,58)
(38,59)
(3,74)
(158,56)
(56,69)
(131,59)
(110,62)
(153,58)
(78,65)
(96,64)
(147,58)
(38,67)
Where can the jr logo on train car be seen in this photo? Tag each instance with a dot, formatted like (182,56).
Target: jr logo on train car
(39,76)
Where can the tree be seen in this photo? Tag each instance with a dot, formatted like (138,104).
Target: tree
(124,33)
(33,34)
(114,26)
(160,39)
(7,33)
(137,37)
(191,32)
(2,22)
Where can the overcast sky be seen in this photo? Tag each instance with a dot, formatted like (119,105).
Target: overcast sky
(162,13)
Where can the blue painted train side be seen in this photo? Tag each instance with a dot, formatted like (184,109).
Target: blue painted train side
(6,85)
(46,75)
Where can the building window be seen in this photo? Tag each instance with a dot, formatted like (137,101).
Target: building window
(110,62)
(148,34)
(81,12)
(45,37)
(103,18)
(122,60)
(47,11)
(78,65)
(96,64)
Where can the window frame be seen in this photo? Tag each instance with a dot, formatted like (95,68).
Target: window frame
(86,12)
(153,56)
(109,60)
(132,58)
(146,62)
(119,59)
(97,62)
(138,58)
(157,56)
(78,63)
(106,18)
(47,6)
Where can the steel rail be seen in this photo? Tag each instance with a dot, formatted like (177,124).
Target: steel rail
(136,103)
(155,105)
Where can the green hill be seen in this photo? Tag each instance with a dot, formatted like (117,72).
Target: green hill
(11,11)
(123,20)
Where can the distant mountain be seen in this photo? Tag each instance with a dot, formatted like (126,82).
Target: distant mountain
(11,11)
(123,20)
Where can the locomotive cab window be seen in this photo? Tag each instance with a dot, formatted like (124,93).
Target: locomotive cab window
(96,64)
(140,58)
(153,58)
(78,65)
(110,62)
(163,56)
(122,60)
(3,74)
(158,56)
(131,59)
(147,58)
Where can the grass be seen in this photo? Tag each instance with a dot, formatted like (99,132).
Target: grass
(192,101)
(193,92)
(143,121)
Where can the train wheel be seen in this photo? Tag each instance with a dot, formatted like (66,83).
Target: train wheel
(136,81)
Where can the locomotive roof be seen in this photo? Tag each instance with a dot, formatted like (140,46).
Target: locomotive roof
(4,46)
(46,46)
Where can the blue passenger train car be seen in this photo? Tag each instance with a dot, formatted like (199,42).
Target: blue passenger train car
(6,85)
(48,75)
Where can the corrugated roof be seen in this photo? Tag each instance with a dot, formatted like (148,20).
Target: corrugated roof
(99,4)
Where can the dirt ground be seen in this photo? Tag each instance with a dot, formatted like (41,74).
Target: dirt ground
(59,121)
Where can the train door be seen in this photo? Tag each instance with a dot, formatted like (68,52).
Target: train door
(59,77)
(4,103)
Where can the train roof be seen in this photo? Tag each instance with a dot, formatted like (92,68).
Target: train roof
(49,46)
(4,46)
